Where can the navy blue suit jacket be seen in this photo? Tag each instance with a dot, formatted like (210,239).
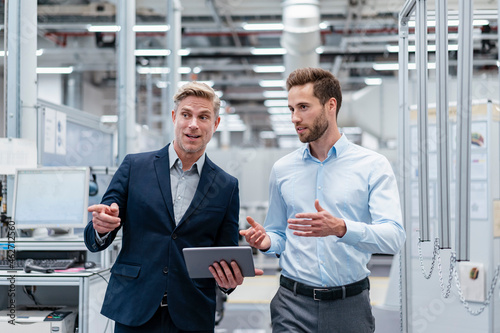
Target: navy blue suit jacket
(151,260)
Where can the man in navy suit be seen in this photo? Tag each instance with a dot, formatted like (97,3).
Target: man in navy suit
(165,201)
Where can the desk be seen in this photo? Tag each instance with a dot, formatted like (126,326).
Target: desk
(84,289)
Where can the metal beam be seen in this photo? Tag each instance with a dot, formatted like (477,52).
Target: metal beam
(404,177)
(126,78)
(20,84)
(406,12)
(464,107)
(174,17)
(422,76)
(442,123)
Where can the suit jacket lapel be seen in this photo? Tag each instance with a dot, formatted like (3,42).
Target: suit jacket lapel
(206,179)
(162,168)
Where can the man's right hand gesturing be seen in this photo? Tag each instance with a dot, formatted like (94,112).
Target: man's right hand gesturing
(105,218)
(256,235)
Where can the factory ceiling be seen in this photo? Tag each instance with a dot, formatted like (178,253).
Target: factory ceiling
(221,47)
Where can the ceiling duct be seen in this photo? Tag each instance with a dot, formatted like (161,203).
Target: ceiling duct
(301,34)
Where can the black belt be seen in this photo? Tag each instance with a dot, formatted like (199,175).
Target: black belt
(325,294)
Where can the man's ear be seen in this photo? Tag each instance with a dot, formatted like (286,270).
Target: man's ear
(332,105)
(217,122)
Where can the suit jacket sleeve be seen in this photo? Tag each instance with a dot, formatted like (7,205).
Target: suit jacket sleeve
(117,192)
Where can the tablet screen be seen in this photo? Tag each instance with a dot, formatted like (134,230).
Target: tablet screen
(198,259)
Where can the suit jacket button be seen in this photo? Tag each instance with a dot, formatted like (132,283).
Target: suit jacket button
(165,270)
(174,236)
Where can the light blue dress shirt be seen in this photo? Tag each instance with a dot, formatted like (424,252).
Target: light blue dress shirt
(183,184)
(352,183)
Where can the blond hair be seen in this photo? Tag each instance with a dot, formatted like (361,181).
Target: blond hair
(197,89)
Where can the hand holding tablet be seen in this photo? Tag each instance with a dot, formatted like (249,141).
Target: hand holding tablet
(198,259)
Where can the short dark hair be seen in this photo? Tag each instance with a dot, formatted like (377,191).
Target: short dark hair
(325,84)
(198,89)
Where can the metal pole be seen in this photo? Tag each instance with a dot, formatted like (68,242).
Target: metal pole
(404,173)
(421,62)
(442,122)
(166,119)
(173,60)
(12,67)
(149,100)
(464,107)
(20,69)
(126,77)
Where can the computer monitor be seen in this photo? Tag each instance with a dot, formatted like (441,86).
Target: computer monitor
(51,197)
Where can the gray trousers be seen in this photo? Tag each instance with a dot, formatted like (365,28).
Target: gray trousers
(297,313)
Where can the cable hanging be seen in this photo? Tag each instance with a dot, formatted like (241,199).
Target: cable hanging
(453,273)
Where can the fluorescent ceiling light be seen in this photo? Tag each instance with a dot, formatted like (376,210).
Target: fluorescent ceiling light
(152,53)
(109,119)
(395,66)
(272,83)
(39,52)
(281,118)
(208,83)
(270,103)
(386,67)
(279,110)
(262,26)
(320,50)
(268,51)
(231,123)
(103,28)
(275,94)
(162,70)
(184,52)
(268,69)
(153,70)
(161,84)
(412,48)
(452,23)
(151,28)
(54,70)
(376,81)
(197,70)
(184,70)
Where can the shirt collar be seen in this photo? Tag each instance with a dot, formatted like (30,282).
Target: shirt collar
(337,149)
(173,158)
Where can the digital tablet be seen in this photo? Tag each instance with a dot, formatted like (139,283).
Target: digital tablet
(198,259)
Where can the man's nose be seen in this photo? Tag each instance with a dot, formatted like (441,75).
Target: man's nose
(193,123)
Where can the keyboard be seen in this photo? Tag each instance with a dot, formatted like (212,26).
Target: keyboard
(45,263)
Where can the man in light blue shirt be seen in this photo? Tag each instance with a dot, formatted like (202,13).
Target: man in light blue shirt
(331,205)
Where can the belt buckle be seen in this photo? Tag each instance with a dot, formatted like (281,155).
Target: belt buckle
(314,293)
(164,302)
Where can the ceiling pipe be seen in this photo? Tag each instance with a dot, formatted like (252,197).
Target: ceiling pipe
(301,34)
